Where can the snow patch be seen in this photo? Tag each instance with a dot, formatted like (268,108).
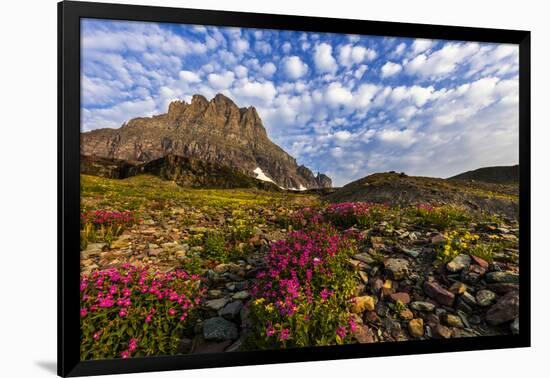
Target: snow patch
(260,175)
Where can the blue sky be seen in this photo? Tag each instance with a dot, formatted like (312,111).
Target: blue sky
(346,105)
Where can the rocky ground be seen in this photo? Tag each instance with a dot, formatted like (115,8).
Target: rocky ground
(404,291)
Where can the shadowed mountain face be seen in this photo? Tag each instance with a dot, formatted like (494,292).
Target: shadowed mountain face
(215,131)
(182,170)
(497,175)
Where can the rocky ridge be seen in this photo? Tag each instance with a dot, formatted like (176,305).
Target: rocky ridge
(215,131)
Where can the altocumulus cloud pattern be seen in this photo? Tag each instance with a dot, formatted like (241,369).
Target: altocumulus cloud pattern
(346,105)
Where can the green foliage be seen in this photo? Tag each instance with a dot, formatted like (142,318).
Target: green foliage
(441,218)
(461,241)
(240,226)
(214,246)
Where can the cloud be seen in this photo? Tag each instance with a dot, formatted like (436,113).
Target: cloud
(263,47)
(294,67)
(421,45)
(349,54)
(241,71)
(400,48)
(189,76)
(403,138)
(441,62)
(342,135)
(323,59)
(286,47)
(390,69)
(240,46)
(337,95)
(253,90)
(268,69)
(449,106)
(221,81)
(358,74)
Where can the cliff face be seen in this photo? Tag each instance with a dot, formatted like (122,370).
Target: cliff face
(215,131)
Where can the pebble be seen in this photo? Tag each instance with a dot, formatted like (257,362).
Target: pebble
(404,298)
(216,304)
(460,262)
(242,295)
(441,295)
(484,298)
(502,277)
(219,329)
(362,304)
(505,310)
(397,268)
(422,306)
(416,327)
(454,321)
(231,311)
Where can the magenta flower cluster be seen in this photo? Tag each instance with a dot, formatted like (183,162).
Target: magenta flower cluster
(131,297)
(108,218)
(302,277)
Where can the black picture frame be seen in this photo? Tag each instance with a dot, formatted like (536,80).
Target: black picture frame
(69,15)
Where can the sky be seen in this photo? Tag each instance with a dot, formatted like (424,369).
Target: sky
(345,105)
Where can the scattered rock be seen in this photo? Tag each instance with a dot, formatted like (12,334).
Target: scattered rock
(442,332)
(219,329)
(416,327)
(364,258)
(401,297)
(362,304)
(364,277)
(484,298)
(422,306)
(406,314)
(231,310)
(454,321)
(216,304)
(458,288)
(441,295)
(505,310)
(502,277)
(397,268)
(438,239)
(363,334)
(468,298)
(479,261)
(460,262)
(411,252)
(241,295)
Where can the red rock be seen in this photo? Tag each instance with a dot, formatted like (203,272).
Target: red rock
(441,295)
(506,309)
(363,334)
(442,332)
(404,298)
(479,261)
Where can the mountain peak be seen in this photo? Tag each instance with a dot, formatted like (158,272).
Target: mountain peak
(214,130)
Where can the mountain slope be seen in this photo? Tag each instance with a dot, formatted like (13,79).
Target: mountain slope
(182,170)
(400,189)
(215,131)
(497,175)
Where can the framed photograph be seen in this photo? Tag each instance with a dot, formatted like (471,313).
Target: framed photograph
(240,188)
